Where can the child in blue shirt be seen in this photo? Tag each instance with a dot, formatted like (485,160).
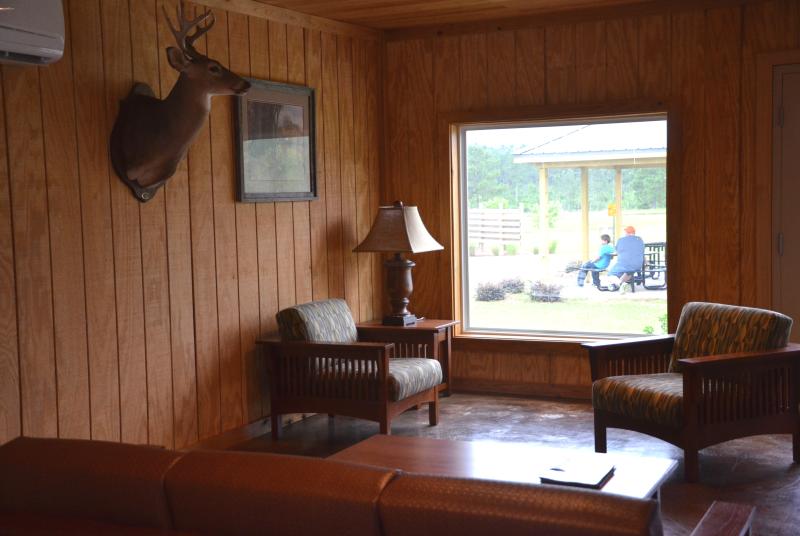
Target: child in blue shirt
(600,263)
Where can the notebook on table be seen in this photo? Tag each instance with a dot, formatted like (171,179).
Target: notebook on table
(581,473)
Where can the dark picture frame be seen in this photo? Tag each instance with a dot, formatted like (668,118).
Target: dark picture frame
(275,129)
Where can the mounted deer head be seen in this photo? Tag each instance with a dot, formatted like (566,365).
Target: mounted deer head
(151,136)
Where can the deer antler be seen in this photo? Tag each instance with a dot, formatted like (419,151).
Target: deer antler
(185,41)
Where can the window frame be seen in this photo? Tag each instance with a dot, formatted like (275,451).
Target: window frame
(453,124)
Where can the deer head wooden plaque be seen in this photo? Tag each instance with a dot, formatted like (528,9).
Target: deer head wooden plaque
(151,136)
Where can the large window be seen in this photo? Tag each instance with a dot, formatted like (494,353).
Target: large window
(539,202)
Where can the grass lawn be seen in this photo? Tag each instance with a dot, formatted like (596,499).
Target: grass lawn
(619,314)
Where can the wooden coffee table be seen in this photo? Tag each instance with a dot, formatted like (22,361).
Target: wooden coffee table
(634,476)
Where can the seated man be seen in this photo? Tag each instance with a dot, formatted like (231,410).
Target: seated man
(630,258)
(600,263)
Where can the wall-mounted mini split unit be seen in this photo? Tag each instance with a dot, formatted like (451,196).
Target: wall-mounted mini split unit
(31,31)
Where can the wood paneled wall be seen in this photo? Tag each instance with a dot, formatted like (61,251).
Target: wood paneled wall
(701,61)
(136,322)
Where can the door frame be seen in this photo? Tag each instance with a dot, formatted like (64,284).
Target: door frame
(765,174)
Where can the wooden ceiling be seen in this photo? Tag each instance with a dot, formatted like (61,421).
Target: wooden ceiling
(394,14)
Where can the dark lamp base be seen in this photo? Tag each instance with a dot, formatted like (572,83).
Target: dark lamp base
(399,320)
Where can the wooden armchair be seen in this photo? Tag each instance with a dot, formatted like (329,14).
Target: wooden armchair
(727,372)
(319,365)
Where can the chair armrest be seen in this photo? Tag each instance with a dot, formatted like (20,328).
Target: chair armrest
(746,359)
(641,355)
(342,350)
(743,386)
(328,370)
(408,342)
(725,519)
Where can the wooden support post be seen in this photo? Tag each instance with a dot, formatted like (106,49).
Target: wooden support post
(543,245)
(618,202)
(585,213)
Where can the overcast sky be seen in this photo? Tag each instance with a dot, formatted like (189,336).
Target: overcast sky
(533,136)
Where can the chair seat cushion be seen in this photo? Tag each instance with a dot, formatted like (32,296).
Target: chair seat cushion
(411,375)
(656,398)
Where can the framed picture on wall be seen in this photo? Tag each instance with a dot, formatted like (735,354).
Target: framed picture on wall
(275,143)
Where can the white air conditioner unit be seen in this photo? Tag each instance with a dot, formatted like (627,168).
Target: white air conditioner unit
(31,31)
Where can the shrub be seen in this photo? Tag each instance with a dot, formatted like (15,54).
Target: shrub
(495,250)
(514,285)
(490,292)
(663,321)
(573,266)
(552,247)
(542,291)
(472,249)
(510,249)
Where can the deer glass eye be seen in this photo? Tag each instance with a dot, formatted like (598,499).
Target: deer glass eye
(215,69)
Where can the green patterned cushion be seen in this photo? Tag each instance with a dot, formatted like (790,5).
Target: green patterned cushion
(713,329)
(318,321)
(411,375)
(650,397)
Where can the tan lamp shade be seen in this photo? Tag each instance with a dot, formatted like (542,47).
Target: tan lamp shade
(398,228)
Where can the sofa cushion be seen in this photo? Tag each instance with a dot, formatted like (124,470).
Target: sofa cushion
(252,493)
(411,375)
(24,524)
(318,321)
(650,397)
(715,328)
(421,504)
(94,480)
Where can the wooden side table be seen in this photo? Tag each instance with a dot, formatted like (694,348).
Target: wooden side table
(427,338)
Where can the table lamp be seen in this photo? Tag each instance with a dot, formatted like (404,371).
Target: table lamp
(397,229)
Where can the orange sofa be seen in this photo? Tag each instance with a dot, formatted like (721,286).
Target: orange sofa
(59,486)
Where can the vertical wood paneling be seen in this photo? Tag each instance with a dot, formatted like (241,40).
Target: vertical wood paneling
(622,58)
(37,373)
(318,210)
(502,69)
(375,150)
(115,20)
(560,68)
(301,217)
(257,383)
(699,61)
(767,26)
(66,247)
(688,82)
(92,129)
(474,71)
(723,61)
(10,424)
(284,218)
(397,118)
(362,134)
(447,96)
(348,178)
(137,322)
(232,51)
(529,67)
(265,212)
(179,261)
(155,274)
(204,278)
(590,56)
(421,156)
(654,56)
(246,246)
(333,185)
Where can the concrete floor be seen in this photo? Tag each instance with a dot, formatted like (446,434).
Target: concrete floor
(756,470)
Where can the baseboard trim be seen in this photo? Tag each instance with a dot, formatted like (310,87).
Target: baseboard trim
(469,385)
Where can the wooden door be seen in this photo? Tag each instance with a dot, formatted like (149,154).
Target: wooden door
(786,216)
